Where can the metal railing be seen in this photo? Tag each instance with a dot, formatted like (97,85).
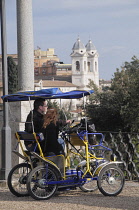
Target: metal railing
(126,148)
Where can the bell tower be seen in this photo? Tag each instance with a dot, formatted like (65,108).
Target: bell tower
(79,64)
(84,64)
(92,63)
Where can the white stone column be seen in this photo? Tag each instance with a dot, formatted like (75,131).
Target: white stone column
(25,45)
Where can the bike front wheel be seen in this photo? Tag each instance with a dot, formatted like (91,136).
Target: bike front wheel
(17,179)
(111,180)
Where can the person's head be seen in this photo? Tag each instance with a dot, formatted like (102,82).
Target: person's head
(40,105)
(50,116)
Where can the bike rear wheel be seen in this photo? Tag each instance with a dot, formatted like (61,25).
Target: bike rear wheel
(17,179)
(111,180)
(37,182)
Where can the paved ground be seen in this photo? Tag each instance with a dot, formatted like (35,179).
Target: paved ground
(71,200)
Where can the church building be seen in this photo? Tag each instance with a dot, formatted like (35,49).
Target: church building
(84,64)
(84,67)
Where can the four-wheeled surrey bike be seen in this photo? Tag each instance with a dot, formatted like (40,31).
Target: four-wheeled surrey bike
(42,176)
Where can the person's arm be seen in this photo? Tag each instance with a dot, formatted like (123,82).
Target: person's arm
(68,122)
(63,122)
(38,122)
(28,124)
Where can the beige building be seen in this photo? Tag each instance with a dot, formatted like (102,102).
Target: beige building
(104,83)
(44,62)
(63,69)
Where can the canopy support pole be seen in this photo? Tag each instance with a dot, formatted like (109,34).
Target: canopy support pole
(31,115)
(85,116)
(6,130)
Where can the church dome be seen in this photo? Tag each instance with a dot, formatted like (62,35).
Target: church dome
(78,45)
(90,46)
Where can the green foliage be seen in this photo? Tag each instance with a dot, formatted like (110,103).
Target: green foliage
(105,112)
(12,76)
(118,107)
(63,114)
(92,85)
(51,104)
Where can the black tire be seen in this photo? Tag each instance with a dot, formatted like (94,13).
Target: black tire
(36,183)
(17,179)
(111,180)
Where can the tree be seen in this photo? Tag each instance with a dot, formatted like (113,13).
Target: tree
(118,108)
(63,114)
(126,87)
(12,76)
(104,112)
(92,85)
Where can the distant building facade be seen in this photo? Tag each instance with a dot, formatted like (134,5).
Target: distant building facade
(44,62)
(104,84)
(63,69)
(50,72)
(84,65)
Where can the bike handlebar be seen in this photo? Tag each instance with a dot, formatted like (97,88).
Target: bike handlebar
(74,129)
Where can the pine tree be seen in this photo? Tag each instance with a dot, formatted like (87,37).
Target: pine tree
(12,76)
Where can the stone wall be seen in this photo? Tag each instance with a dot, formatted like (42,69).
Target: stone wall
(18,112)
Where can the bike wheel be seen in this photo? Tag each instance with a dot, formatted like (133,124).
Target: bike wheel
(111,180)
(36,183)
(17,179)
(89,185)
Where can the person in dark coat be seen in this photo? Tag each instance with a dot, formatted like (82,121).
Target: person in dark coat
(51,125)
(34,122)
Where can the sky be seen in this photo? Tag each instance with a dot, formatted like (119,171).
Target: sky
(112,25)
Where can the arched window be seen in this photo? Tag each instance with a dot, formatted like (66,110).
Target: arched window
(85,65)
(95,66)
(88,65)
(77,66)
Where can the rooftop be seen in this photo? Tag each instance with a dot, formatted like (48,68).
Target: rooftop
(56,83)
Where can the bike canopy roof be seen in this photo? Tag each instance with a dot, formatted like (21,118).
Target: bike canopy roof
(51,93)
